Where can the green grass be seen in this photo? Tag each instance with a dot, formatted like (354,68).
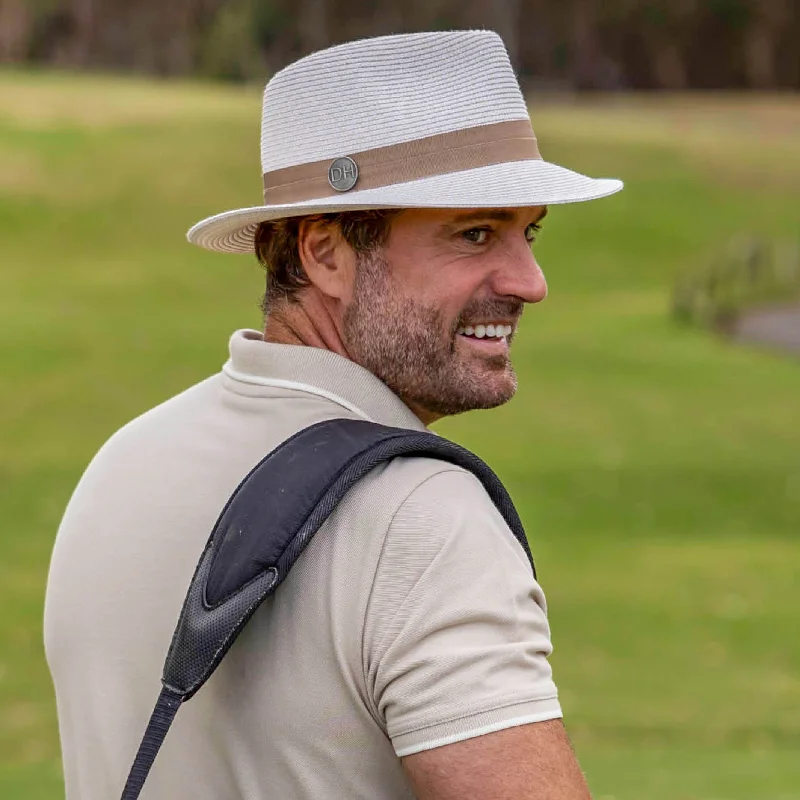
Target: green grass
(656,467)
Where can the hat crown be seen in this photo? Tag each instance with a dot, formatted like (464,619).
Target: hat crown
(386,90)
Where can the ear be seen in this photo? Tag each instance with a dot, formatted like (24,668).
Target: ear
(328,260)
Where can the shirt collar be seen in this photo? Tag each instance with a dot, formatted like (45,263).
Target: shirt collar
(316,371)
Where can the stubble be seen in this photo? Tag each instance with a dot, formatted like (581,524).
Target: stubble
(408,346)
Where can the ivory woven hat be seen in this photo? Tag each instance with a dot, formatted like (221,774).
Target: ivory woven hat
(434,120)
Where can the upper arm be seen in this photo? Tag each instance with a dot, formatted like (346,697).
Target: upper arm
(528,762)
(456,639)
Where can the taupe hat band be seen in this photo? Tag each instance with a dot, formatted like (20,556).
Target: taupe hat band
(454,151)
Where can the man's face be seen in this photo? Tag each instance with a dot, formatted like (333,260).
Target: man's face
(430,312)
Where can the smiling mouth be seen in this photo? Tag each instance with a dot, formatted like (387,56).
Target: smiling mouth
(486,333)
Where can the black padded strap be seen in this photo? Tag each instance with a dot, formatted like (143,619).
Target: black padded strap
(265,526)
(295,488)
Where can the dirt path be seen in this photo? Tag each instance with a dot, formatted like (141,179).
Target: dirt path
(770,327)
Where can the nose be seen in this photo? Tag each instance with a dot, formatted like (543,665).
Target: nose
(519,275)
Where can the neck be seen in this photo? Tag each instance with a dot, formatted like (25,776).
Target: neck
(427,418)
(311,322)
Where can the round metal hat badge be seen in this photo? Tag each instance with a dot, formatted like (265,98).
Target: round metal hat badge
(343,174)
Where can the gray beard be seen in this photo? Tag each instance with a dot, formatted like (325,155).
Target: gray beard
(406,345)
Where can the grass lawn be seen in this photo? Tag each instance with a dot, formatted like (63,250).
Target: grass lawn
(657,468)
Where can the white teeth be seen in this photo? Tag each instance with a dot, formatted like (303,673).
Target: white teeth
(490,331)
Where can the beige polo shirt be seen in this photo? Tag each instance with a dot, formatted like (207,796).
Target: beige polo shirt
(411,621)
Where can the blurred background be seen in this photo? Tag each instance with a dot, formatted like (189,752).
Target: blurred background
(576,44)
(654,446)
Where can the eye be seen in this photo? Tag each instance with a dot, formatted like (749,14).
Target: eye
(531,231)
(477,235)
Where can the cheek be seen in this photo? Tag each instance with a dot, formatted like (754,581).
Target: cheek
(443,287)
(460,303)
(452,291)
(450,308)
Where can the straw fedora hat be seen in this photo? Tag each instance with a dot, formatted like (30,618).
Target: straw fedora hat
(433,120)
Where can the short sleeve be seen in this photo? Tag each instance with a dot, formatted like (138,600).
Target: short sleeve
(456,638)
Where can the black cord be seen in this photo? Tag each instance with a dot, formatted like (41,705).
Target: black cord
(169,701)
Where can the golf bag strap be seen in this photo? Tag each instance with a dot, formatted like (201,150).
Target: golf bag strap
(265,526)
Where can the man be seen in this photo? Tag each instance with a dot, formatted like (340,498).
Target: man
(406,653)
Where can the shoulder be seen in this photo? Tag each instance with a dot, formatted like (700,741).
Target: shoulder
(445,530)
(447,506)
(130,453)
(168,417)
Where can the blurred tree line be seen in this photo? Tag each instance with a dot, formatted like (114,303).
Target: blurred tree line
(571,44)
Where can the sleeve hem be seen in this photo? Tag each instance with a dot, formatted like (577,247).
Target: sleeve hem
(475,725)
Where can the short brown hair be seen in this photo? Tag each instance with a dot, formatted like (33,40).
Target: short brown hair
(276,247)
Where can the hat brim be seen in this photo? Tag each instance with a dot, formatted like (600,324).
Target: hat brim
(508,185)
